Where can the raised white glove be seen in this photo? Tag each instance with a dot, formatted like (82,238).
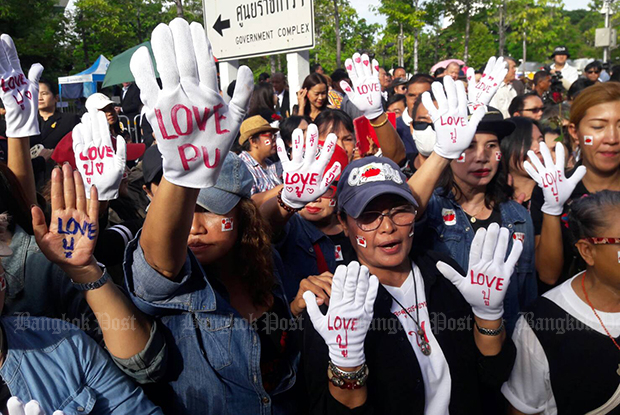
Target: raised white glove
(95,158)
(348,317)
(481,93)
(550,177)
(305,179)
(366,91)
(485,285)
(454,131)
(20,95)
(195,128)
(15,406)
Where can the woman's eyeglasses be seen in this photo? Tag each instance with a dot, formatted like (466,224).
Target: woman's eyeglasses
(534,110)
(603,241)
(400,216)
(330,193)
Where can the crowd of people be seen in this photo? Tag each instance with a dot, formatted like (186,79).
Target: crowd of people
(391,243)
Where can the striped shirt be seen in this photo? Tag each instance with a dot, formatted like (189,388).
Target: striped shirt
(264,178)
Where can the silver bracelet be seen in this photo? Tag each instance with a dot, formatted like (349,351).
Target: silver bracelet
(490,332)
(95,284)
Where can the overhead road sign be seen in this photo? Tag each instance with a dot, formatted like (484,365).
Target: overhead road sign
(241,29)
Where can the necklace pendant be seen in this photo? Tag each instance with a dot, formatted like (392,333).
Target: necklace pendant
(472,219)
(426,349)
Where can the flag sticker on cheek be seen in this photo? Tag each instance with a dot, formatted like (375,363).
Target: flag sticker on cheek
(361,241)
(267,142)
(588,140)
(461,159)
(227,224)
(332,202)
(498,156)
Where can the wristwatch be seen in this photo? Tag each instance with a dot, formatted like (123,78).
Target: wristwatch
(95,284)
(490,332)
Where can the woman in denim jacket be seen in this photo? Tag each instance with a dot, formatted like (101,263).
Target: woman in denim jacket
(473,193)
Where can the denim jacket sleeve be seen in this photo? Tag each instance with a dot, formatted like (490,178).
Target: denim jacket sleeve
(149,365)
(109,386)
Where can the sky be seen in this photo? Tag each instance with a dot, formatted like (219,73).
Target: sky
(362,8)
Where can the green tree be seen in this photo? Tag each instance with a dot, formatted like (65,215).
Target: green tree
(38,29)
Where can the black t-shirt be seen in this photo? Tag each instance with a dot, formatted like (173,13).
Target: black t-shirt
(496,217)
(344,250)
(56,127)
(573,263)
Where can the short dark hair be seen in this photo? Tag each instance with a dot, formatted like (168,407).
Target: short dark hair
(438,72)
(339,75)
(400,67)
(593,65)
(263,77)
(577,87)
(518,103)
(396,98)
(333,119)
(50,85)
(539,76)
(289,125)
(314,67)
(420,78)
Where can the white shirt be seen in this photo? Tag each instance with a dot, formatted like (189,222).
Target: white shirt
(280,98)
(434,367)
(529,387)
(569,75)
(502,98)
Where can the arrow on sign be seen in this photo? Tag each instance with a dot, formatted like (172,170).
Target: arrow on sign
(220,25)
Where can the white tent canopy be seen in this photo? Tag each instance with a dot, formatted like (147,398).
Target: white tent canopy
(86,79)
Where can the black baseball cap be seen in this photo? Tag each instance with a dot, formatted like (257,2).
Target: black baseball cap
(151,164)
(493,122)
(560,50)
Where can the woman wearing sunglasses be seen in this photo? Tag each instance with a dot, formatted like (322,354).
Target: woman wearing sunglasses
(403,340)
(594,120)
(582,327)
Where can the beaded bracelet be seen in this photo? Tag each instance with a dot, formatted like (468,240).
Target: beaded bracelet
(284,205)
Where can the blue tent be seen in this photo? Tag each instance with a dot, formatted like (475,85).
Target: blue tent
(83,84)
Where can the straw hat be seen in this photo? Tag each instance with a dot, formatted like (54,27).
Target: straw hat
(254,125)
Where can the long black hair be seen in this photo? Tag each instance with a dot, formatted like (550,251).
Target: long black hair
(311,81)
(515,146)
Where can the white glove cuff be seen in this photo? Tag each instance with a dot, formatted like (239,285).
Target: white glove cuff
(373,113)
(488,314)
(295,205)
(552,210)
(351,361)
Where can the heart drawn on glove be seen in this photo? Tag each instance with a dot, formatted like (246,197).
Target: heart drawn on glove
(88,180)
(99,167)
(348,89)
(358,60)
(289,189)
(310,191)
(366,63)
(349,67)
(377,68)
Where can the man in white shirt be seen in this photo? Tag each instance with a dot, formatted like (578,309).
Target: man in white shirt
(505,93)
(569,74)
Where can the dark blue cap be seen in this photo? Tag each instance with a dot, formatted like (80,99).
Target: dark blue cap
(369,177)
(234,183)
